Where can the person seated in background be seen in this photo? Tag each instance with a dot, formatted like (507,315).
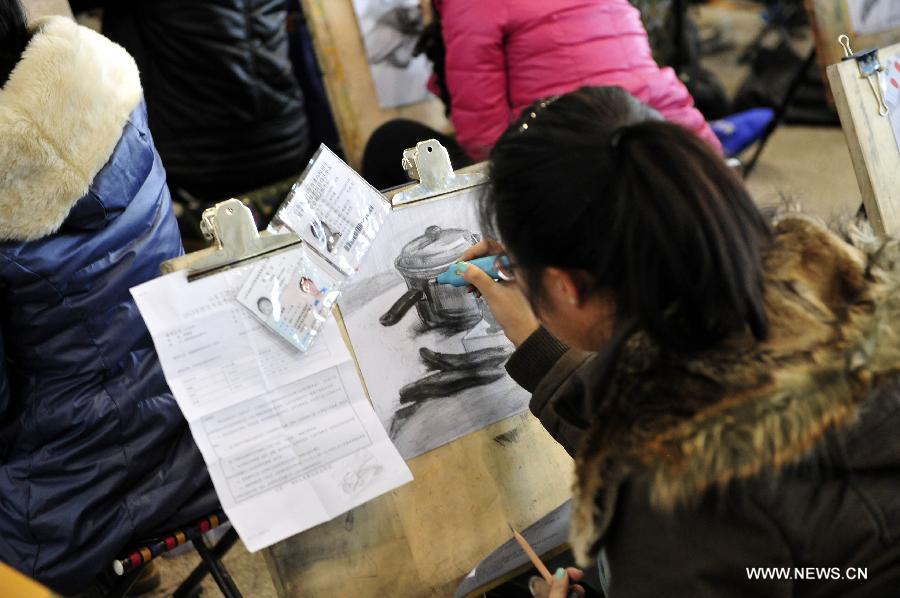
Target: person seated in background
(492,59)
(729,386)
(226,109)
(94,451)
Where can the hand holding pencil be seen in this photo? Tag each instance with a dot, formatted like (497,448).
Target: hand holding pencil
(560,586)
(552,586)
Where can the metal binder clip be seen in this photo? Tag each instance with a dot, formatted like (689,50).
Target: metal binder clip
(429,163)
(236,241)
(869,68)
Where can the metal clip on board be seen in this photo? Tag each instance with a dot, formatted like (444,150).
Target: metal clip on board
(229,224)
(429,163)
(869,68)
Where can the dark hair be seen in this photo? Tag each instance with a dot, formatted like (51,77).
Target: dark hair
(14,36)
(431,44)
(595,181)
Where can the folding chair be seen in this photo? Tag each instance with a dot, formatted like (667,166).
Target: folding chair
(116,582)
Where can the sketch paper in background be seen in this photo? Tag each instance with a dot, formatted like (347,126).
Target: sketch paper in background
(873,16)
(892,95)
(289,439)
(431,355)
(390,30)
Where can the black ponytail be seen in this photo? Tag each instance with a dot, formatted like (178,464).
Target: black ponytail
(598,182)
(14,36)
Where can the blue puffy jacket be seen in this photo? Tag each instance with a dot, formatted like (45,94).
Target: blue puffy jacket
(94,452)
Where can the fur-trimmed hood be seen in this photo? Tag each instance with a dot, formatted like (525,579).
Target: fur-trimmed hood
(689,424)
(61,114)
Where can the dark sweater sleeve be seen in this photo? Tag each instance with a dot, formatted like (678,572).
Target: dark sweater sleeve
(534,358)
(547,368)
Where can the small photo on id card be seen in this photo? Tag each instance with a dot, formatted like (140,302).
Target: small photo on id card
(292,295)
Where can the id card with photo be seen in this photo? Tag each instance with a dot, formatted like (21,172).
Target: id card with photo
(293,294)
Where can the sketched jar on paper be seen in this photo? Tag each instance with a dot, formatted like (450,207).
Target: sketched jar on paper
(419,262)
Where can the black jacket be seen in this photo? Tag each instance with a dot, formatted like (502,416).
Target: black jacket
(694,470)
(225,108)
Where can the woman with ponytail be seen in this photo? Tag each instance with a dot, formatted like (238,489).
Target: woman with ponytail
(729,386)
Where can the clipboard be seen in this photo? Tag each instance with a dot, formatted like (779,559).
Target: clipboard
(870,139)
(222,363)
(377,542)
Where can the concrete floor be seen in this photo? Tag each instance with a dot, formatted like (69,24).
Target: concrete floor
(809,166)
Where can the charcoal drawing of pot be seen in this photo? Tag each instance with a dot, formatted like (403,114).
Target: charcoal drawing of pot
(419,262)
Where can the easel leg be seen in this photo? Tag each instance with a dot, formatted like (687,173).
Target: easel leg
(781,111)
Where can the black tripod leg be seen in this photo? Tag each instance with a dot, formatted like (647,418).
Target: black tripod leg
(217,570)
(207,556)
(781,112)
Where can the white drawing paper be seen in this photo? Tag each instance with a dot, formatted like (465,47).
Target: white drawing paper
(435,371)
(390,29)
(289,439)
(873,16)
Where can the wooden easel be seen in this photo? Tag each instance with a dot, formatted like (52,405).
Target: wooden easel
(873,148)
(348,80)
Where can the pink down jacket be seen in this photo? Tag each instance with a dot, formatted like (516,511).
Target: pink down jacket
(502,55)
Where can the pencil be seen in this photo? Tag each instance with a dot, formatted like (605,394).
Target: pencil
(535,559)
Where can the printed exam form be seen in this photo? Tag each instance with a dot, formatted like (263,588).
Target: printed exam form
(289,439)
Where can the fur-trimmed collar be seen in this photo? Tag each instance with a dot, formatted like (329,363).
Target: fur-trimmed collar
(688,424)
(61,114)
